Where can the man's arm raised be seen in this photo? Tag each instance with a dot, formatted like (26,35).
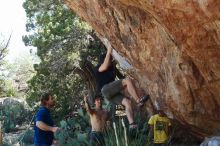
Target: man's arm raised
(107,60)
(88,108)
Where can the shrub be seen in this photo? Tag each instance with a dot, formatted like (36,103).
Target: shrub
(12,115)
(75,131)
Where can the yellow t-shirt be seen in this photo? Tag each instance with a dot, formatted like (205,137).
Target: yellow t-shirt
(160,125)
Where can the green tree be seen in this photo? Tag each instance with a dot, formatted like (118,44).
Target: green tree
(20,71)
(13,76)
(63,43)
(3,52)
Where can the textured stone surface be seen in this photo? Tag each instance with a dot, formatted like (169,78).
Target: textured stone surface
(174,47)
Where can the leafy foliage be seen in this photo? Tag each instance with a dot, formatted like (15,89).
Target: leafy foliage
(13,114)
(74,130)
(3,49)
(63,41)
(3,53)
(18,75)
(26,138)
(13,76)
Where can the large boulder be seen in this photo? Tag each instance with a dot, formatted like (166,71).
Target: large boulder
(174,48)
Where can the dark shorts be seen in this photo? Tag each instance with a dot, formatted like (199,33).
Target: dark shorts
(97,139)
(35,144)
(112,92)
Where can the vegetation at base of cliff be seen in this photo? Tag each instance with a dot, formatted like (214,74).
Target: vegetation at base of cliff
(76,130)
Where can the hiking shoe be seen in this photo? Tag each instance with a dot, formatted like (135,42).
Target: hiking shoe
(143,100)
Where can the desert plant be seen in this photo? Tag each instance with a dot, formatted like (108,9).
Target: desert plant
(12,115)
(26,138)
(74,131)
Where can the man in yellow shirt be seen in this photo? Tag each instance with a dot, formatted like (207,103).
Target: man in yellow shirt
(159,128)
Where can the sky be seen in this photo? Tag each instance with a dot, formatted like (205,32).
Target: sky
(13,20)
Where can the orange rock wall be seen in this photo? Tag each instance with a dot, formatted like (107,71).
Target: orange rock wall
(174,47)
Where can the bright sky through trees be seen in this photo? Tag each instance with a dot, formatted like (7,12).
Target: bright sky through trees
(12,20)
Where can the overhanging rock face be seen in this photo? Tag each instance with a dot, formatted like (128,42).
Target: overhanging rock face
(174,47)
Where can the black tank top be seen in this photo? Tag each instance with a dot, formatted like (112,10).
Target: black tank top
(105,77)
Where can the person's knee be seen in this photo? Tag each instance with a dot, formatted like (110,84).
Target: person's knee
(126,81)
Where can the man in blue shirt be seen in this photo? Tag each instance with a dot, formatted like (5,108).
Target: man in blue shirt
(44,125)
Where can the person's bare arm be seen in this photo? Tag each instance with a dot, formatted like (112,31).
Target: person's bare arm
(151,132)
(107,60)
(88,108)
(169,130)
(41,125)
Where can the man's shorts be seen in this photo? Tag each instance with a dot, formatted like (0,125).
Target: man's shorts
(97,139)
(112,92)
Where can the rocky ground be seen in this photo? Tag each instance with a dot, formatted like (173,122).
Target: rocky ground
(12,139)
(18,138)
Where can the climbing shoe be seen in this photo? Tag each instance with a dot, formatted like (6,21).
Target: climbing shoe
(143,100)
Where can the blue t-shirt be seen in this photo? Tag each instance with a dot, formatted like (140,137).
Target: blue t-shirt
(105,77)
(40,136)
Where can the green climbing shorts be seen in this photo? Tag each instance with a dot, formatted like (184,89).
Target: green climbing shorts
(112,92)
